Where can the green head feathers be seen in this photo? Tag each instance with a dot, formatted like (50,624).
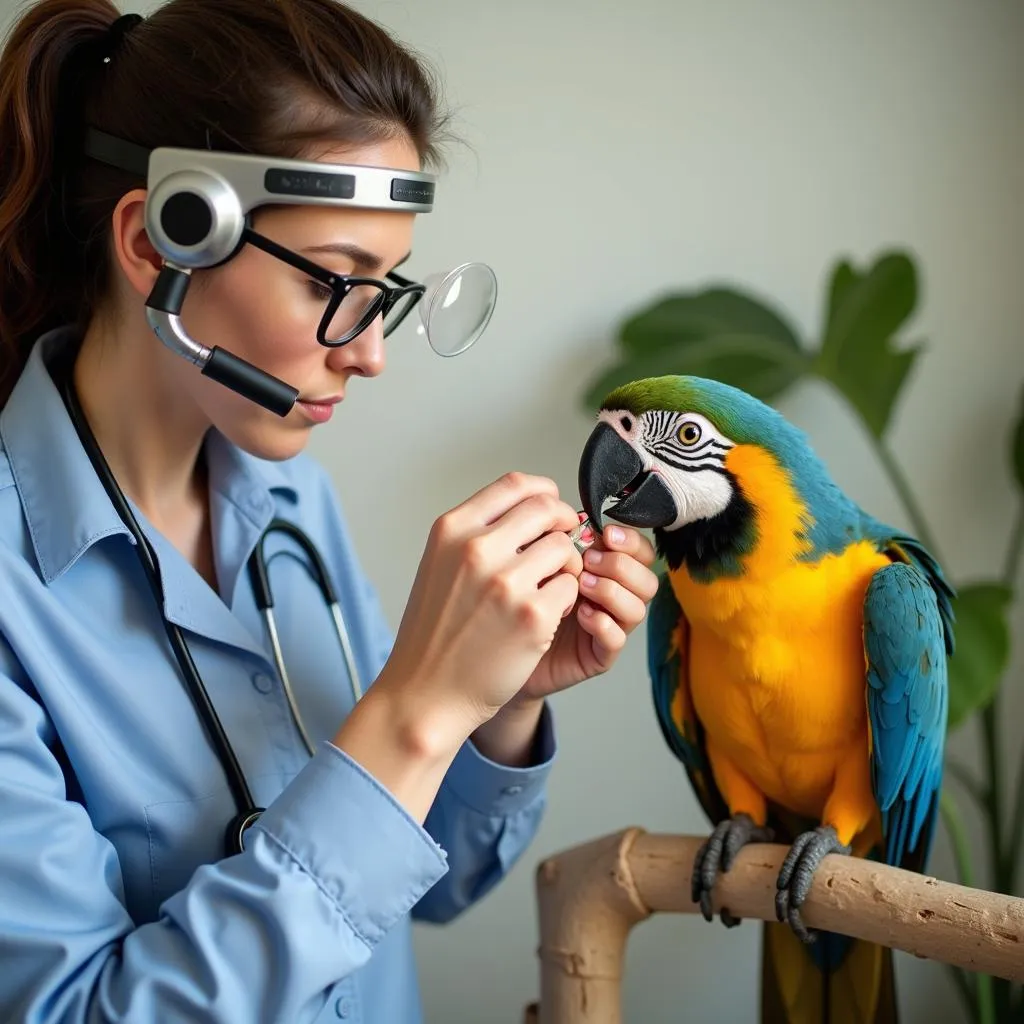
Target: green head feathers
(739,415)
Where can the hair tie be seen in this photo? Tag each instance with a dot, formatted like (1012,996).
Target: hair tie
(119,28)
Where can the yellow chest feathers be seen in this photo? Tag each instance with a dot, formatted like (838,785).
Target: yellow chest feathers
(781,647)
(778,590)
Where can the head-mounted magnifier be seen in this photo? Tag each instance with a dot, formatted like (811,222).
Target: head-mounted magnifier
(198,216)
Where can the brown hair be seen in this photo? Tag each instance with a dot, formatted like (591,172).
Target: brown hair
(257,76)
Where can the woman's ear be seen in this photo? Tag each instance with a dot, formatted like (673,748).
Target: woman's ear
(135,253)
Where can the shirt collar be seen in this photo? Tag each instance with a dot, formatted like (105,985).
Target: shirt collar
(65,505)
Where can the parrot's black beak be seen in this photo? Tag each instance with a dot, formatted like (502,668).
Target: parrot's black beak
(610,468)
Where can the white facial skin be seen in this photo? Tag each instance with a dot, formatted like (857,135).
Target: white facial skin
(151,409)
(687,451)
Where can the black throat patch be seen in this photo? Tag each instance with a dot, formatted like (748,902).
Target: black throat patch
(712,548)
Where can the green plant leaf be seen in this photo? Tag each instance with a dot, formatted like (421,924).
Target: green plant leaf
(685,317)
(982,648)
(844,278)
(857,353)
(1018,447)
(761,365)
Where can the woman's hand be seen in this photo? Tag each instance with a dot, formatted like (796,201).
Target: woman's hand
(497,578)
(616,587)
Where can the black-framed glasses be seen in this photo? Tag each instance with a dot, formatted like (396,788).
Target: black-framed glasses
(352,303)
(455,306)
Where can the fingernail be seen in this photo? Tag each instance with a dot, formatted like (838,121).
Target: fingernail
(588,579)
(592,557)
(615,534)
(585,609)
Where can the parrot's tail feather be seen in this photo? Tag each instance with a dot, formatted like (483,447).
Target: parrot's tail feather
(838,980)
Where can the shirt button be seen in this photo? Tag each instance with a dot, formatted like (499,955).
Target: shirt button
(512,790)
(262,682)
(343,1007)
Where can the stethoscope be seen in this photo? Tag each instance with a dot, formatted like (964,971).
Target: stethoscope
(248,811)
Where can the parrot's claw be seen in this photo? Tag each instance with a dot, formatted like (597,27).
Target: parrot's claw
(717,854)
(797,873)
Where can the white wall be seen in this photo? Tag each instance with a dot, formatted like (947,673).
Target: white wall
(621,149)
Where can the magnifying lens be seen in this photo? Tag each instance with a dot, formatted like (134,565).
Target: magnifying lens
(456,307)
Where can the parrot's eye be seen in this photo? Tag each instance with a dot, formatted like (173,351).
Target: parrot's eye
(689,434)
(627,424)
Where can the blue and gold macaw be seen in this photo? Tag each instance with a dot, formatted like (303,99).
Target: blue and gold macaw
(798,657)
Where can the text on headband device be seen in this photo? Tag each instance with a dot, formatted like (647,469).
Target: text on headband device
(196,215)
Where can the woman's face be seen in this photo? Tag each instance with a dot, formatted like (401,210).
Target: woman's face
(267,312)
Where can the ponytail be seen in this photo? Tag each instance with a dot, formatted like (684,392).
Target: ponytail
(41,274)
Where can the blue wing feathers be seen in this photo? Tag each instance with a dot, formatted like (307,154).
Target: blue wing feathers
(911,550)
(907,634)
(664,666)
(662,618)
(668,673)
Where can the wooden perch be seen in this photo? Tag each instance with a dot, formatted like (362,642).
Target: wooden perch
(591,896)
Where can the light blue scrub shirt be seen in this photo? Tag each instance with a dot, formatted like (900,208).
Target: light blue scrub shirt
(116,900)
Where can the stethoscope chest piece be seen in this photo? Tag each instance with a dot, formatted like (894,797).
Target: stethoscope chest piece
(237,828)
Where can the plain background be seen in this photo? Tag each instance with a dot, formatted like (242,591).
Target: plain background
(614,152)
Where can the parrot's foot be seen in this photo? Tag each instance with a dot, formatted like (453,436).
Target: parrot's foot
(797,873)
(718,853)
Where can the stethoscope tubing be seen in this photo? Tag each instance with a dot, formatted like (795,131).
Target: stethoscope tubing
(248,811)
(260,578)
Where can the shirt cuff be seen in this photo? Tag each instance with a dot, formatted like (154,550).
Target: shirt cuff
(497,789)
(359,845)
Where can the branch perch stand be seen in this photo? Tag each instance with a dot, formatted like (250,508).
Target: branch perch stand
(590,897)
